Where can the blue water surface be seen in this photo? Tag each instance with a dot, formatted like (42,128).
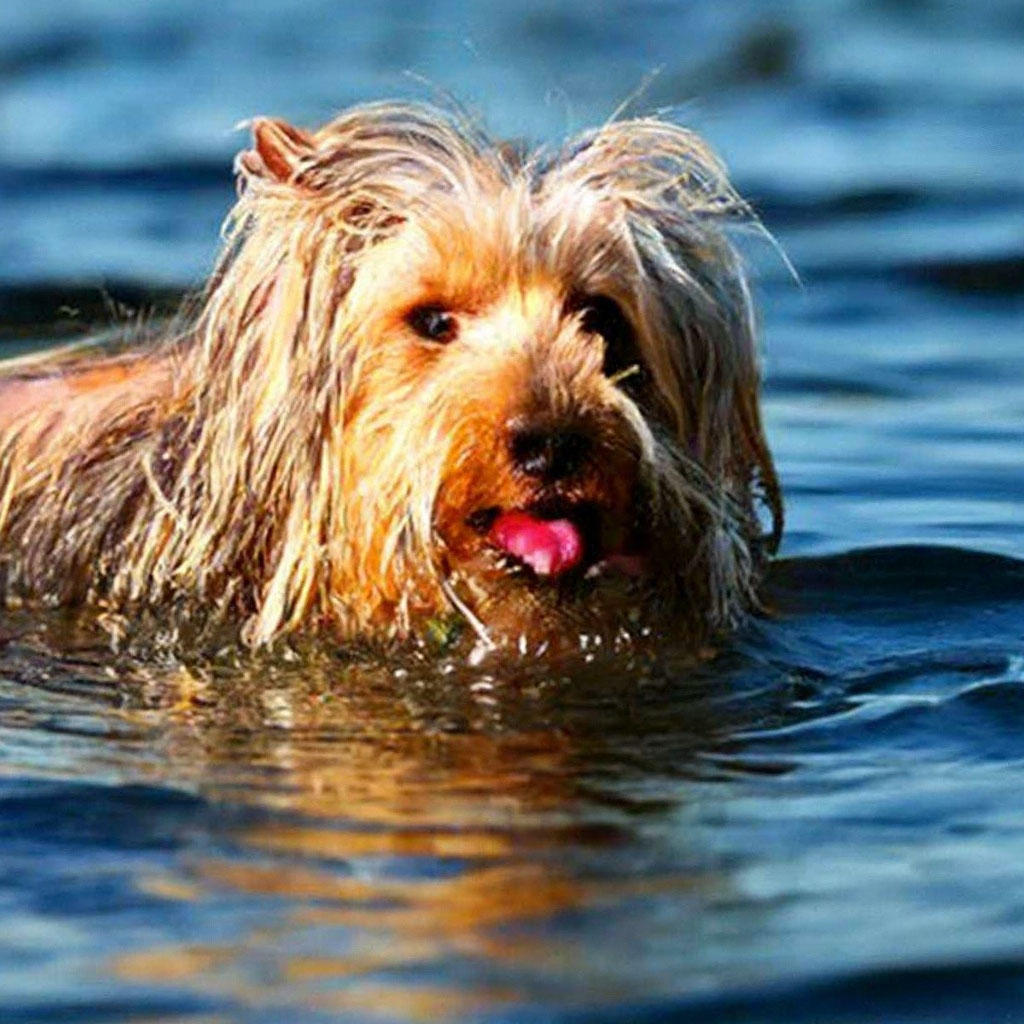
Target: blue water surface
(823,823)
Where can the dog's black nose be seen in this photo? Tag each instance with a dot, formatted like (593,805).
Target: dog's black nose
(552,454)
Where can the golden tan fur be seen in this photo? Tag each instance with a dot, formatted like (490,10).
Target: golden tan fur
(296,455)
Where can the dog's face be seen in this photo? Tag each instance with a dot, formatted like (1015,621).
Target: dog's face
(513,385)
(530,376)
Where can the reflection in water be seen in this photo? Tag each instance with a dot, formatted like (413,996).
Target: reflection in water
(420,823)
(314,833)
(403,824)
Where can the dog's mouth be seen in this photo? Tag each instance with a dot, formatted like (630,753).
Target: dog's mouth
(557,539)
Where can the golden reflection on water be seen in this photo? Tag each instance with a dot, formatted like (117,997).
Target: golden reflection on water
(397,822)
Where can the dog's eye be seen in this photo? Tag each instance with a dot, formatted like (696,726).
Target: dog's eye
(434,323)
(602,315)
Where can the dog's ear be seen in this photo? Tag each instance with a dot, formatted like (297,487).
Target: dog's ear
(279,151)
(679,208)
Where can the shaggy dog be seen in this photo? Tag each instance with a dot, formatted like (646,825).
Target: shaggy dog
(432,377)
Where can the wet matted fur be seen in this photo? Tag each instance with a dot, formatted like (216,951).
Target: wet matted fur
(324,442)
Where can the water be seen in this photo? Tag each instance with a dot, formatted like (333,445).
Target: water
(821,823)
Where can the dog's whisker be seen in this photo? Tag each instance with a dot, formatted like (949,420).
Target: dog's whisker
(630,371)
(468,614)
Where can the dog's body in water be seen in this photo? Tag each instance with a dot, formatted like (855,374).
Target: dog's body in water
(431,377)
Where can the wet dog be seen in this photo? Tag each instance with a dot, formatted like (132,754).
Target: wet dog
(432,378)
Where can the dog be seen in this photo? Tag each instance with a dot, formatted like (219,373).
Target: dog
(433,378)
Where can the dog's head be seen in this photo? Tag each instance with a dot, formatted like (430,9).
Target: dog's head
(479,377)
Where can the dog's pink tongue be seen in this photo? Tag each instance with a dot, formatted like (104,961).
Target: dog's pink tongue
(547,546)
